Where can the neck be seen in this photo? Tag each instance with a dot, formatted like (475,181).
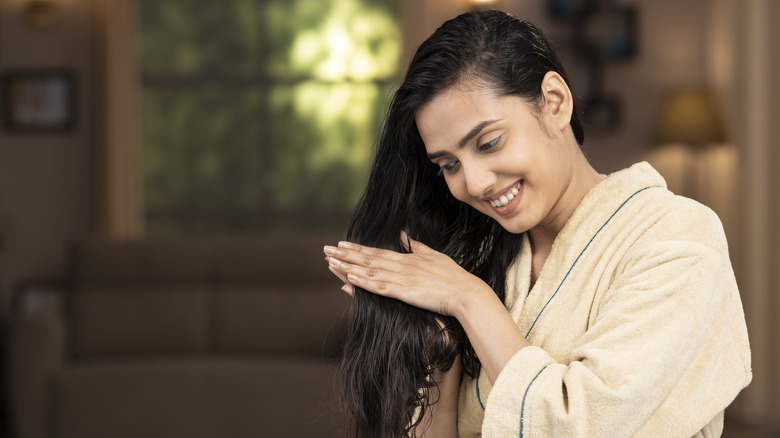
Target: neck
(583,179)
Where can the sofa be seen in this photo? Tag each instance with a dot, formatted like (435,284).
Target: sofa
(181,338)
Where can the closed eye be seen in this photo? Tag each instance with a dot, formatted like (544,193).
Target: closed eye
(450,167)
(489,145)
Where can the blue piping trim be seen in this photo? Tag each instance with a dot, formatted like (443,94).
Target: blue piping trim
(522,406)
(479,399)
(578,257)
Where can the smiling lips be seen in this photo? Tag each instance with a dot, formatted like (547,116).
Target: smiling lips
(506,198)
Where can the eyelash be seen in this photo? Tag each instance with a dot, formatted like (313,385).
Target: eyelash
(486,147)
(450,170)
(489,145)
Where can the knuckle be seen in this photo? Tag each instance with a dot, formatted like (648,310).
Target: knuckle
(372,273)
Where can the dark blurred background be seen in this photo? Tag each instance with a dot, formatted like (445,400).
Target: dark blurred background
(195,120)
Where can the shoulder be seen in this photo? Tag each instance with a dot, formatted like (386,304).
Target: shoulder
(636,202)
(673,217)
(675,228)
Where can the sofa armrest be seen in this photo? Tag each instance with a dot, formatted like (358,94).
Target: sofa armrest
(36,353)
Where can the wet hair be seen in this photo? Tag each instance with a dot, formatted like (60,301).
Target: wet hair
(392,348)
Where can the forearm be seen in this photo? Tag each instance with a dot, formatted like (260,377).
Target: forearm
(491,330)
(441,419)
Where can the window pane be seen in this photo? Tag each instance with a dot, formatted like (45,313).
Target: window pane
(323,135)
(196,36)
(334,40)
(202,149)
(260,115)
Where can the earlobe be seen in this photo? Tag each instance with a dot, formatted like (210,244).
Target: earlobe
(558,99)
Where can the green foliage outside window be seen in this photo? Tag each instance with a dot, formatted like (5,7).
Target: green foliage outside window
(260,115)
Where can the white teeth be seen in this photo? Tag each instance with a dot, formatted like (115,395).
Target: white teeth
(505,199)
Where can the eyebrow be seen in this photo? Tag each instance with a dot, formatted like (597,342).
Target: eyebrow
(466,138)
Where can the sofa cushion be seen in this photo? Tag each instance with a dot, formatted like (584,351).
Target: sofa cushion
(140,319)
(205,259)
(103,260)
(290,319)
(178,296)
(196,398)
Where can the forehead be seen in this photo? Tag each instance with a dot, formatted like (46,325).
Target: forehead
(453,113)
(453,106)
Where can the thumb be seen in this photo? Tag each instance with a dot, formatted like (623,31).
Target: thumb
(414,246)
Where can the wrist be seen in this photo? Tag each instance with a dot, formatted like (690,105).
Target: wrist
(475,296)
(490,328)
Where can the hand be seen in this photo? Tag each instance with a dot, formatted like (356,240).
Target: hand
(423,278)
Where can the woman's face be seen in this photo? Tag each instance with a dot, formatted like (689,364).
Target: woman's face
(499,156)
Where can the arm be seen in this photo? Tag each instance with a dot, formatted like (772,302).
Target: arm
(441,420)
(665,330)
(483,316)
(660,358)
(430,280)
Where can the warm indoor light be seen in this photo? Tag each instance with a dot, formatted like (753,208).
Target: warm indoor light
(483,4)
(690,126)
(692,117)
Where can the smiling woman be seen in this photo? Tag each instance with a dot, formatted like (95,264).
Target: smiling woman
(514,154)
(503,287)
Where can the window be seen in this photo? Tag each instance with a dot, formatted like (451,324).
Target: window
(260,115)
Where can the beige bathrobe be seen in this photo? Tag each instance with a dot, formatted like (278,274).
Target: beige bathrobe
(635,324)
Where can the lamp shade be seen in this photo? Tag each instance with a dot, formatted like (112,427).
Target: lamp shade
(690,116)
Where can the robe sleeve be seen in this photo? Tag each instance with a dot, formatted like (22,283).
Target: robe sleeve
(666,354)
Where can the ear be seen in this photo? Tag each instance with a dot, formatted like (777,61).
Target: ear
(558,101)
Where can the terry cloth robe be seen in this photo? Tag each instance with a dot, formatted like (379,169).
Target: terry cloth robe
(635,324)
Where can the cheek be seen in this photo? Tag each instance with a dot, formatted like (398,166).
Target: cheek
(457,187)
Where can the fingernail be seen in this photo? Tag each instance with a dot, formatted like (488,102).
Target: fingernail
(352,277)
(329,250)
(346,245)
(335,263)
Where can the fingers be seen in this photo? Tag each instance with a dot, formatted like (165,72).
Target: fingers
(348,288)
(406,241)
(374,285)
(414,246)
(375,278)
(369,268)
(376,270)
(341,275)
(362,256)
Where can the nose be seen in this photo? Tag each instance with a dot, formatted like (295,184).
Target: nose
(480,180)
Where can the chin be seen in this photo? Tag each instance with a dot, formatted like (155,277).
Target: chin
(513,227)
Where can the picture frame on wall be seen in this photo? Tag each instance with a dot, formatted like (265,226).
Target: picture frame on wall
(38,100)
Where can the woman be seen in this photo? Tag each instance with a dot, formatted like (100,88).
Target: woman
(590,305)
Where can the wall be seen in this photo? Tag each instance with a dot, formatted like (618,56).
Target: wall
(45,178)
(749,83)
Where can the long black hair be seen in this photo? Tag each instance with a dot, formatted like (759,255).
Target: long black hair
(391,348)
